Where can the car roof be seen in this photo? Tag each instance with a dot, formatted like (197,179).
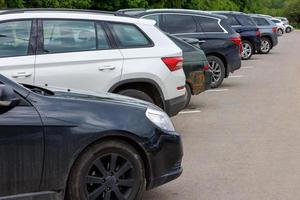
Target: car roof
(228,12)
(142,12)
(69,13)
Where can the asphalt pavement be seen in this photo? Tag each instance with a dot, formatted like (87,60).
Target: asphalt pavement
(242,141)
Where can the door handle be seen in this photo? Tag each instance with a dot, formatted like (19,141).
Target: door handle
(106,68)
(22,75)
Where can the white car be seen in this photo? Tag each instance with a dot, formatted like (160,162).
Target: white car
(280,26)
(288,28)
(94,51)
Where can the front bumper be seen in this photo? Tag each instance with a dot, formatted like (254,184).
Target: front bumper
(174,106)
(165,158)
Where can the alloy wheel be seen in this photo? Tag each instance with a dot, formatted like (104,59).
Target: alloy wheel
(265,46)
(110,177)
(247,50)
(215,68)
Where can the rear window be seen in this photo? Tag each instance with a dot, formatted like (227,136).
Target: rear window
(232,20)
(209,24)
(245,20)
(261,21)
(129,36)
(180,23)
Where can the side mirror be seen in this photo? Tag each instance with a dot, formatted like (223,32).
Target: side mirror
(8,98)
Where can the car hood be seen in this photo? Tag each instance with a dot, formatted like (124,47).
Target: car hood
(93,96)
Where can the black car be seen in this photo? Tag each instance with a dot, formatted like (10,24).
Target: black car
(221,44)
(247,28)
(268,30)
(195,67)
(80,146)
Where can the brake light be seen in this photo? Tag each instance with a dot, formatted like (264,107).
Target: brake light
(238,41)
(274,29)
(257,33)
(173,63)
(206,67)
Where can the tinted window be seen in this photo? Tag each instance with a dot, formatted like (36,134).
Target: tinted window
(180,24)
(209,24)
(155,18)
(232,20)
(129,35)
(102,40)
(245,20)
(275,21)
(68,36)
(14,38)
(261,21)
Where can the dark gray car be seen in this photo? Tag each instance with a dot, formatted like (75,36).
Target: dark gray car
(268,30)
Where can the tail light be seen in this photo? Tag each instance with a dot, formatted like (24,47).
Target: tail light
(238,41)
(257,33)
(206,67)
(173,63)
(274,29)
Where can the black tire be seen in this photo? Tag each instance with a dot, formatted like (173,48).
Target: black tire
(188,95)
(87,181)
(218,73)
(136,94)
(288,30)
(249,51)
(280,32)
(266,45)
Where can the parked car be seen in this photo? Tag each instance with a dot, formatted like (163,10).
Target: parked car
(288,28)
(268,30)
(247,28)
(95,51)
(197,70)
(280,26)
(82,146)
(221,44)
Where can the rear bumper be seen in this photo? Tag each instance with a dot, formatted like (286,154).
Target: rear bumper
(174,106)
(165,160)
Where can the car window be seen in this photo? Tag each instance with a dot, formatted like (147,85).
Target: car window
(102,39)
(68,36)
(275,21)
(14,38)
(129,36)
(232,20)
(261,21)
(245,20)
(209,24)
(180,23)
(155,18)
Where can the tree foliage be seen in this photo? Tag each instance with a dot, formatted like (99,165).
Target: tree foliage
(289,8)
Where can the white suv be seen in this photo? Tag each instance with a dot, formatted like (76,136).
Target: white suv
(94,51)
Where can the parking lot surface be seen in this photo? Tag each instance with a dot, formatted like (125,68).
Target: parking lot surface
(242,141)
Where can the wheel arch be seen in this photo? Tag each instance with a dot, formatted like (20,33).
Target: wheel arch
(222,57)
(148,86)
(115,136)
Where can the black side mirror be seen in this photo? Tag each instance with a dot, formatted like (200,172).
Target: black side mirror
(8,98)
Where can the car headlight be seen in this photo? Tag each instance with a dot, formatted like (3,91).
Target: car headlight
(160,119)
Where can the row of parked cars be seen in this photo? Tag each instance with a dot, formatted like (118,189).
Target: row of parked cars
(67,129)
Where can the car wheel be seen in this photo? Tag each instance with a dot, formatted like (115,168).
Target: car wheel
(136,94)
(217,68)
(188,95)
(266,46)
(108,170)
(248,50)
(288,30)
(280,32)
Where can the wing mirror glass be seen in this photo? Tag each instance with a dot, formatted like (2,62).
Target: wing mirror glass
(8,98)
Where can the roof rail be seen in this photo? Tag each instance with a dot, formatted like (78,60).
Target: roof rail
(23,10)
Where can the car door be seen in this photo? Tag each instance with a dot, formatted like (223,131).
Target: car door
(77,54)
(17,43)
(21,149)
